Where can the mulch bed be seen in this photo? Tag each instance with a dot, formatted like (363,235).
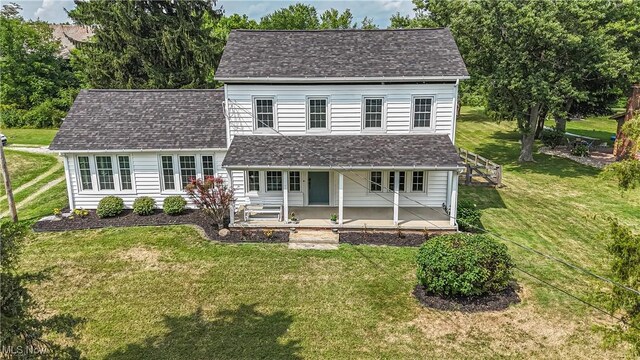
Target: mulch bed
(159,218)
(491,302)
(391,238)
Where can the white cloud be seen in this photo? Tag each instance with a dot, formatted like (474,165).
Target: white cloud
(47,10)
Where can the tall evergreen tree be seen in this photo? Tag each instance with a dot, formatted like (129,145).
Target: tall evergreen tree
(147,43)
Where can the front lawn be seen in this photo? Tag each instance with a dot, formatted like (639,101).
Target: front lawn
(165,293)
(24,167)
(41,137)
(599,127)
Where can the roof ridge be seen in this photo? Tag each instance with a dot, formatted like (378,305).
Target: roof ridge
(152,90)
(339,30)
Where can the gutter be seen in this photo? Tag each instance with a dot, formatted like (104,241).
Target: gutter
(309,167)
(94,151)
(355,79)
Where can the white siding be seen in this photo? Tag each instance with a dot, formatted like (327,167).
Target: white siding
(345,106)
(145,169)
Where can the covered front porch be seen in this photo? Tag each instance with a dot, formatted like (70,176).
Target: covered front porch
(357,218)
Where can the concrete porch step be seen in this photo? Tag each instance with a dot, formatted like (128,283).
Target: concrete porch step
(313,239)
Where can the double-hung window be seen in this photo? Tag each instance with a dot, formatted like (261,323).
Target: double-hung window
(125,172)
(168,180)
(264,113)
(105,173)
(317,108)
(373,113)
(253,180)
(274,180)
(207,166)
(392,180)
(294,181)
(84,168)
(417,183)
(422,112)
(187,169)
(375,181)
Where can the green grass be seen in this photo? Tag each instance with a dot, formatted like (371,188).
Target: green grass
(166,293)
(29,136)
(600,127)
(24,167)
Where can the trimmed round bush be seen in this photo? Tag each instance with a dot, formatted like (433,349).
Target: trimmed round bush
(468,216)
(174,205)
(463,265)
(110,206)
(144,205)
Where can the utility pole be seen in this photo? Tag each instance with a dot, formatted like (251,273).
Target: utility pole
(622,143)
(7,185)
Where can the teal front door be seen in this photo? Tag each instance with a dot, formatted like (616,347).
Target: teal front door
(318,188)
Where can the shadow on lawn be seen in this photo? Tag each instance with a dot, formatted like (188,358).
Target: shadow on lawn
(243,333)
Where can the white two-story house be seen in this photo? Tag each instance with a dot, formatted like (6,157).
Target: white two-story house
(356,123)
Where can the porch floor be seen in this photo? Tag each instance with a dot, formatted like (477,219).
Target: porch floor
(358,218)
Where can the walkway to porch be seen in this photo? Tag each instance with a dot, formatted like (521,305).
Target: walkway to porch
(358,218)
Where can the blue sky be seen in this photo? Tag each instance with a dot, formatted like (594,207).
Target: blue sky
(378,10)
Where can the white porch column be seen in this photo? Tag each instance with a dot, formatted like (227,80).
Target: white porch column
(340,198)
(454,199)
(232,209)
(396,196)
(285,194)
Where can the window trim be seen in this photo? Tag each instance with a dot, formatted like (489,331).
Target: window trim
(383,126)
(424,181)
(95,183)
(432,120)
(266,181)
(246,174)
(299,180)
(391,189)
(382,184)
(254,112)
(307,101)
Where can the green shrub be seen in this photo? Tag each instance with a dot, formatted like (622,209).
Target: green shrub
(552,137)
(581,150)
(463,265)
(110,206)
(144,205)
(174,205)
(468,216)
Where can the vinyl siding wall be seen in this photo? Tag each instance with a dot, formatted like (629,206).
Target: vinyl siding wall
(145,169)
(344,106)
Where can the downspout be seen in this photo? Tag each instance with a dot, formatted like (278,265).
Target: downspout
(455,112)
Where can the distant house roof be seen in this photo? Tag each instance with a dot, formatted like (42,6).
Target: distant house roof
(342,151)
(143,120)
(330,55)
(69,35)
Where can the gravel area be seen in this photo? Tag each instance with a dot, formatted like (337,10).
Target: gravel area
(597,158)
(158,218)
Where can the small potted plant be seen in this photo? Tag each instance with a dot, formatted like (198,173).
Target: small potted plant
(292,218)
(334,218)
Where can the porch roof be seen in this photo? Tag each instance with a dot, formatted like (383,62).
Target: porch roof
(342,151)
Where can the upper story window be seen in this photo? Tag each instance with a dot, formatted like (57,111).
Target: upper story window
(317,108)
(373,113)
(264,113)
(421,112)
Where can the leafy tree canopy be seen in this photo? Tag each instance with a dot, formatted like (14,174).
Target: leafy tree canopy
(37,86)
(147,43)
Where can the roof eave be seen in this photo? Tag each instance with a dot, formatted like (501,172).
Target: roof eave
(338,167)
(354,79)
(128,150)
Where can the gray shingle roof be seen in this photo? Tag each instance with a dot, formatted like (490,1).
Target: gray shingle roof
(340,53)
(399,151)
(143,120)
